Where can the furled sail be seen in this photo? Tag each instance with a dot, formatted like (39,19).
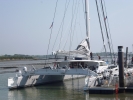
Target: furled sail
(82,50)
(84,47)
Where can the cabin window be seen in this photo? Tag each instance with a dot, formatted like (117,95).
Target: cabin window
(76,65)
(102,64)
(111,67)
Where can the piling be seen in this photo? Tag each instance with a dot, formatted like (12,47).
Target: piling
(121,69)
(126,58)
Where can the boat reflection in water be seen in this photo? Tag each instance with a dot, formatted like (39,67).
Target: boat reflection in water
(109,97)
(67,90)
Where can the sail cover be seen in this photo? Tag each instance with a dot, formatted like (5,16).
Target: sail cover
(84,47)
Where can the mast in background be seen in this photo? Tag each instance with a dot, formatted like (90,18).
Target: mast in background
(87,22)
(87,26)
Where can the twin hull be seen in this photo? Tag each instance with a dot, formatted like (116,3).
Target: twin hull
(25,81)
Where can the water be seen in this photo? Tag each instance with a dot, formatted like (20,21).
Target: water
(19,63)
(58,91)
(67,90)
(5,65)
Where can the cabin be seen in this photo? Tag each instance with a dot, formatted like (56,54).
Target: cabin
(94,65)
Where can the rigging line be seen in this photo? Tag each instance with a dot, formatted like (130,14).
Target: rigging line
(75,19)
(101,27)
(78,24)
(81,36)
(109,29)
(76,7)
(106,28)
(51,30)
(63,25)
(66,40)
(60,26)
(80,30)
(103,50)
(71,27)
(84,10)
(79,20)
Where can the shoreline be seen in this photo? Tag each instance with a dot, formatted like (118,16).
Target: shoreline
(14,59)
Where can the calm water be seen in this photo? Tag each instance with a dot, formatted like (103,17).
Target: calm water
(68,90)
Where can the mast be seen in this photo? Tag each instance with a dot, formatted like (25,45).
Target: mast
(87,22)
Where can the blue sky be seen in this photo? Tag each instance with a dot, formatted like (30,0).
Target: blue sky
(24,25)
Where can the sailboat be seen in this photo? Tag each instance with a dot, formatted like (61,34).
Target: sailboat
(62,70)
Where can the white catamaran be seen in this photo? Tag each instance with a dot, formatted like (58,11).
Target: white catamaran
(62,70)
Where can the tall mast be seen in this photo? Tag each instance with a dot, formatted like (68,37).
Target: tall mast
(87,22)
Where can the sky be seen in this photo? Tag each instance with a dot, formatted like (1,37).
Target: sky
(25,26)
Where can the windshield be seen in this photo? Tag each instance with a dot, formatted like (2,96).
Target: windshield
(103,64)
(111,67)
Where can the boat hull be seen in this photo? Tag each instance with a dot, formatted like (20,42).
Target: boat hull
(28,81)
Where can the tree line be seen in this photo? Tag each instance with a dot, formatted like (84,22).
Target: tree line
(15,57)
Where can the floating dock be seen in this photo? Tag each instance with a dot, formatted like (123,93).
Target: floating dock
(109,90)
